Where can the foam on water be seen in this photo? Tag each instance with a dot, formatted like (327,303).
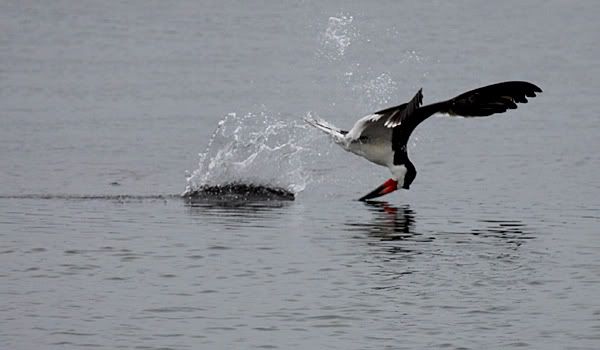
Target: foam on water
(258,149)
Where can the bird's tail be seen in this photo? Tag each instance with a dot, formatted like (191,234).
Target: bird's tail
(336,134)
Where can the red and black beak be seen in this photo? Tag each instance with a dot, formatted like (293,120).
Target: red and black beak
(389,186)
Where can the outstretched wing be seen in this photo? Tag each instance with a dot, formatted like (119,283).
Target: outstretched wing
(491,99)
(481,102)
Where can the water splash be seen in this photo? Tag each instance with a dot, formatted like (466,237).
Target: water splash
(257,149)
(337,36)
(375,92)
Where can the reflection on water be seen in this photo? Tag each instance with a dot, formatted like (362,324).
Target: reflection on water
(513,231)
(235,207)
(389,223)
(232,213)
(510,231)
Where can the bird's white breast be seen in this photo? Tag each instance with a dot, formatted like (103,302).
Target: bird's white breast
(377,151)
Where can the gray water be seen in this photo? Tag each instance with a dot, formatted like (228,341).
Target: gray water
(104,106)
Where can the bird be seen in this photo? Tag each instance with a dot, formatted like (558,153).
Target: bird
(381,137)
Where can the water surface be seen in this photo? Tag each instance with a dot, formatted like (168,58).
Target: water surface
(105,106)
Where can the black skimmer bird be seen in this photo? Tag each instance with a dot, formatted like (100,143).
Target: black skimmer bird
(381,137)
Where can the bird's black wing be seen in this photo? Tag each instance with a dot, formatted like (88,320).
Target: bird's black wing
(491,99)
(481,102)
(394,116)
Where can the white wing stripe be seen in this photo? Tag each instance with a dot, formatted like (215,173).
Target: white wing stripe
(372,117)
(370,122)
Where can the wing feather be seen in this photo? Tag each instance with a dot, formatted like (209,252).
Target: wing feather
(481,102)
(370,126)
(379,124)
(404,118)
(487,100)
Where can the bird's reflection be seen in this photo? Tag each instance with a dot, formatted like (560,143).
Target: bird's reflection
(390,223)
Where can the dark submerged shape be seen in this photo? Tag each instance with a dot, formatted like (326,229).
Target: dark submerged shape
(240,192)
